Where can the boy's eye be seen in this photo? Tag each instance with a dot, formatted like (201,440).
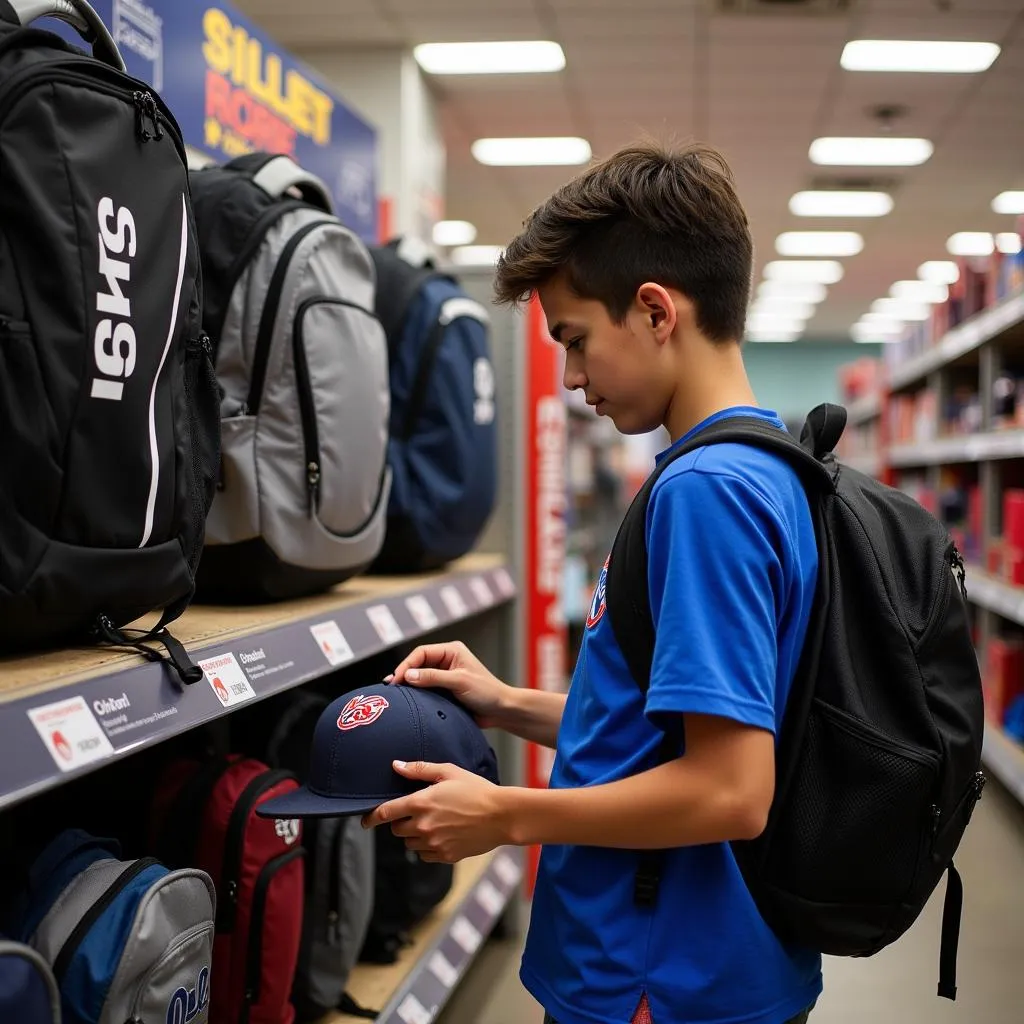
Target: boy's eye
(575,343)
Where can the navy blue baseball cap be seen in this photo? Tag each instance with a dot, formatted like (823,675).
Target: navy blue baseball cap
(360,734)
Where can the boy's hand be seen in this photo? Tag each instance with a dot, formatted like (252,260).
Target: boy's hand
(452,666)
(459,815)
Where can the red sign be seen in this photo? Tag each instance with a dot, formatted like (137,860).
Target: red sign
(545,488)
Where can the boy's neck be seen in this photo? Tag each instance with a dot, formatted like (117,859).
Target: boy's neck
(712,378)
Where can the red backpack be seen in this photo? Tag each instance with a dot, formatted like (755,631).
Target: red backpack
(204,816)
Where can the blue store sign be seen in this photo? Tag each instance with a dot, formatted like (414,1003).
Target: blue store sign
(233,90)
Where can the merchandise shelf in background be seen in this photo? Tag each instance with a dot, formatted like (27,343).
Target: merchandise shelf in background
(869,464)
(863,409)
(1007,444)
(1005,318)
(1005,759)
(415,989)
(66,713)
(987,591)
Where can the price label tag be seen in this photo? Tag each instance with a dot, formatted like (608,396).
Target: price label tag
(506,586)
(71,733)
(442,969)
(489,898)
(384,623)
(466,935)
(227,680)
(507,869)
(421,611)
(481,591)
(332,643)
(412,1011)
(454,602)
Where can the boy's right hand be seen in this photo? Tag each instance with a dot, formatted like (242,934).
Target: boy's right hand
(452,666)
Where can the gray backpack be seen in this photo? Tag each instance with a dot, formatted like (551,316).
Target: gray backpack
(302,362)
(340,868)
(127,940)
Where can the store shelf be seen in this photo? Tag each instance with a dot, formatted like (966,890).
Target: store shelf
(415,989)
(869,464)
(993,594)
(65,713)
(973,448)
(863,410)
(968,336)
(1004,759)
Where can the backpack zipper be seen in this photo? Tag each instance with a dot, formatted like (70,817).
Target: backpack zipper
(15,328)
(254,955)
(959,570)
(74,940)
(972,795)
(268,318)
(307,410)
(234,844)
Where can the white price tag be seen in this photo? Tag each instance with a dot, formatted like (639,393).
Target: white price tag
(489,898)
(227,680)
(71,733)
(332,642)
(506,586)
(454,602)
(412,1011)
(466,935)
(507,870)
(384,622)
(421,611)
(442,969)
(481,591)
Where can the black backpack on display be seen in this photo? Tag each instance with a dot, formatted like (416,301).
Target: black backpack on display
(878,761)
(108,402)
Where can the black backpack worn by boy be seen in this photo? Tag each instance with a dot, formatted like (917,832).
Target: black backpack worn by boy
(878,761)
(108,402)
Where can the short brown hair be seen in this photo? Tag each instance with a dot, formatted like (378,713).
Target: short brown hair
(648,213)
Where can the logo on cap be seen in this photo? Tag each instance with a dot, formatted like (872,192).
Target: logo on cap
(361,710)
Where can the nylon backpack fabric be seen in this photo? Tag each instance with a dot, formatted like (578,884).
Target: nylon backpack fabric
(28,990)
(442,446)
(878,761)
(302,362)
(108,403)
(339,876)
(204,816)
(127,940)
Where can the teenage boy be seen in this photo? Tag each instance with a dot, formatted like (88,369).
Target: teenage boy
(643,268)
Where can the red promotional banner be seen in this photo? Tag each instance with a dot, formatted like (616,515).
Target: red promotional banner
(545,489)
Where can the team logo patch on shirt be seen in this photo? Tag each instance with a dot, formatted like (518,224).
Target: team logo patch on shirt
(597,605)
(361,711)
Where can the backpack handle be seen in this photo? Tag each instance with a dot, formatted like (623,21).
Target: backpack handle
(276,173)
(79,15)
(823,428)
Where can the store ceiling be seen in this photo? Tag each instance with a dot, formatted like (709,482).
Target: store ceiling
(758,86)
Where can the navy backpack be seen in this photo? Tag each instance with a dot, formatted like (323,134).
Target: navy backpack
(442,446)
(28,991)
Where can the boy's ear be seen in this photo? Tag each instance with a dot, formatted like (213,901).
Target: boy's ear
(658,309)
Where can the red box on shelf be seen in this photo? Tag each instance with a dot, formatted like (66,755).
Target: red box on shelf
(1013,517)
(1013,566)
(975,513)
(994,557)
(1004,675)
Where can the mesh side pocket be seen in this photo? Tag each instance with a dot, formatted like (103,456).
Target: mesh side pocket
(855,822)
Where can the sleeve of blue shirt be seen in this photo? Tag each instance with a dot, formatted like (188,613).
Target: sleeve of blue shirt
(717,590)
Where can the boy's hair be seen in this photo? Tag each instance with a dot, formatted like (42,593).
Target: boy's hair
(648,213)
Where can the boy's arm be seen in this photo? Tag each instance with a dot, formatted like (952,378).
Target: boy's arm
(534,715)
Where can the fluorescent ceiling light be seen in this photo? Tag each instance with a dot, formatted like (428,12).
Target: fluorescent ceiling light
(762,324)
(535,152)
(918,55)
(454,232)
(838,203)
(498,58)
(884,320)
(1008,202)
(819,243)
(781,306)
(796,291)
(476,255)
(902,309)
(765,338)
(868,334)
(882,151)
(939,271)
(971,243)
(919,291)
(816,271)
(1008,242)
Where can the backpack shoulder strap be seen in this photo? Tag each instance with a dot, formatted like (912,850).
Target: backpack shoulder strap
(276,173)
(626,589)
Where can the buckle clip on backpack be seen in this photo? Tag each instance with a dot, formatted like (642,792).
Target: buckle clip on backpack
(302,361)
(107,395)
(878,761)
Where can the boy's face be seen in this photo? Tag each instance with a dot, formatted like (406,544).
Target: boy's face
(619,367)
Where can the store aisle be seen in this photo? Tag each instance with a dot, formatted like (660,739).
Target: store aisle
(895,987)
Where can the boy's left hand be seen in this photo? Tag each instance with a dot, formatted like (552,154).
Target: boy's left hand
(458,815)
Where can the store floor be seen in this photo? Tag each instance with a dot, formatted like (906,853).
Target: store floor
(895,987)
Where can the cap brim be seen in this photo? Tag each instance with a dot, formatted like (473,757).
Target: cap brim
(303,803)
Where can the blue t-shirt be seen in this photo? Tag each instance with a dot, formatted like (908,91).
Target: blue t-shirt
(732,573)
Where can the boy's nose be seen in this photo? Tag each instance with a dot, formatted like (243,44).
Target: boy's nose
(573,376)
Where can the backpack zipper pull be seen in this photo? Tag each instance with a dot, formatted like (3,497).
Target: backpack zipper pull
(154,115)
(959,570)
(139,101)
(313,485)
